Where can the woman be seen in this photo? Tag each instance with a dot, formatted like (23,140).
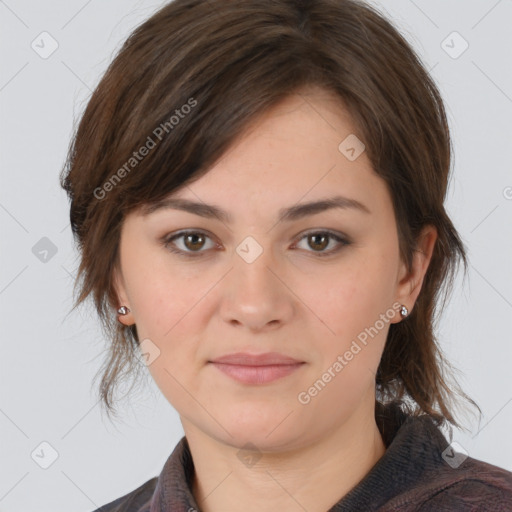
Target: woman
(257,192)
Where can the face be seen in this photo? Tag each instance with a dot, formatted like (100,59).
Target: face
(317,285)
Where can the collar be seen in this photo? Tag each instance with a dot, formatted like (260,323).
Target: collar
(413,450)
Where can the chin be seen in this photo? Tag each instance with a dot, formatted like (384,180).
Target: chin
(269,433)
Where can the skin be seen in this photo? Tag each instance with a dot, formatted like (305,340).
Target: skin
(289,300)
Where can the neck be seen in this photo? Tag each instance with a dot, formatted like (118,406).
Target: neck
(313,477)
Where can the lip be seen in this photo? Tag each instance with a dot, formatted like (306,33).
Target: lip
(246,359)
(256,368)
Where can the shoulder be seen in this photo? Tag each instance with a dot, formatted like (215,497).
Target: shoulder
(475,486)
(137,500)
(422,472)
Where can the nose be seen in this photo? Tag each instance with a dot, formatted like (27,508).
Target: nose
(255,294)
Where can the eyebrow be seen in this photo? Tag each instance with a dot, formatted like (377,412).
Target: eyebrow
(285,214)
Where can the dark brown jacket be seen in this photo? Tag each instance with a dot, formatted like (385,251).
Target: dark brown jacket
(419,472)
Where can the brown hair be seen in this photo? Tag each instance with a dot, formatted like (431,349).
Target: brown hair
(191,79)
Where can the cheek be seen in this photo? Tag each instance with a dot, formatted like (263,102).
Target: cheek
(154,307)
(351,302)
(160,297)
(350,352)
(353,295)
(166,305)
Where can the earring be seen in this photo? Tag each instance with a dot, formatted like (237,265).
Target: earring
(123,310)
(404,311)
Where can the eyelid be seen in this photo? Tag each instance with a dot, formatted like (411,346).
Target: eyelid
(340,238)
(167,239)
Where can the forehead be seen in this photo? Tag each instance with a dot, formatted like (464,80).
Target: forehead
(298,147)
(295,153)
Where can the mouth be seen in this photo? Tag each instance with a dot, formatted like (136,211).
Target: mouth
(260,374)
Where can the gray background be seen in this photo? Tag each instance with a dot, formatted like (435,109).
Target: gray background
(49,358)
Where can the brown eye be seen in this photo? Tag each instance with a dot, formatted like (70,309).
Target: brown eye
(318,241)
(193,241)
(188,243)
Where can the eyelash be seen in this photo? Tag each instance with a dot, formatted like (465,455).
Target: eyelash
(167,241)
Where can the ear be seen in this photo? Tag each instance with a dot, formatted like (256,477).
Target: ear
(120,292)
(410,282)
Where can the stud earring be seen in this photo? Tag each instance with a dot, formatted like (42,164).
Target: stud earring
(404,311)
(123,310)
